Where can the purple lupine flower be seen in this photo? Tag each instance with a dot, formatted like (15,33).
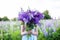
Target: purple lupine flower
(31,12)
(35,16)
(24,17)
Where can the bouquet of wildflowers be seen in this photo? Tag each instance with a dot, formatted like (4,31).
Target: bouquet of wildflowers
(31,18)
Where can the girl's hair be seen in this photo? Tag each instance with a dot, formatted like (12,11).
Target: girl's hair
(23,27)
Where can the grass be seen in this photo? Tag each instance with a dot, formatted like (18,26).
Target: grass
(12,32)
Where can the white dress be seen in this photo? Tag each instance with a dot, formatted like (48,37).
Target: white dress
(32,37)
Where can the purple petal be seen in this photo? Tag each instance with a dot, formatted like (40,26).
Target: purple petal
(29,15)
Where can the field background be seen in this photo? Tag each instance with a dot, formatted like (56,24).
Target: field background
(48,30)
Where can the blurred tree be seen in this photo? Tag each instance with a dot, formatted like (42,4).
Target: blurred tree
(14,19)
(47,16)
(5,18)
(0,19)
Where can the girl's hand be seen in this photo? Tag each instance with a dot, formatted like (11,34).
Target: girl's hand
(30,32)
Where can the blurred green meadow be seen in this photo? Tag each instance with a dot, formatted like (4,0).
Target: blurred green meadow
(48,30)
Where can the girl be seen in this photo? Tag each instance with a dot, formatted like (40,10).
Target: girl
(33,32)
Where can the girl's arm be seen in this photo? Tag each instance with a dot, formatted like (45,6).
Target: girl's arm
(23,32)
(35,31)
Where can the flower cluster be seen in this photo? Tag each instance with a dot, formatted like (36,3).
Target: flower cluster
(30,16)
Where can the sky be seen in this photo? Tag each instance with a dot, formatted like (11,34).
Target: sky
(11,8)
